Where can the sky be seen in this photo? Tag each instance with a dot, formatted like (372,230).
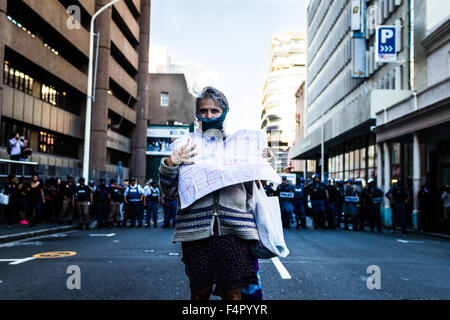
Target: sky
(230,37)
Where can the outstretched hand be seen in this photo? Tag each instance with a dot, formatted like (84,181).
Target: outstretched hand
(183,154)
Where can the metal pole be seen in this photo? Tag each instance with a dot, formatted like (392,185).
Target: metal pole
(322,167)
(87,127)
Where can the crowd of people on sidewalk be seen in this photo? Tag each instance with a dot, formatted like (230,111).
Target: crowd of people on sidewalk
(35,201)
(336,203)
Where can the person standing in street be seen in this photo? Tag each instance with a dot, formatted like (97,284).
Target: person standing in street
(102,204)
(217,230)
(426,207)
(23,200)
(37,199)
(300,202)
(152,199)
(318,195)
(50,201)
(373,199)
(445,196)
(115,196)
(133,198)
(351,205)
(67,191)
(10,189)
(333,199)
(170,212)
(285,193)
(340,202)
(399,197)
(82,199)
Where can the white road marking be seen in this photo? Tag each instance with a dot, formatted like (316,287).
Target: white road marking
(102,235)
(19,261)
(173,254)
(115,240)
(409,241)
(149,251)
(281,269)
(7,260)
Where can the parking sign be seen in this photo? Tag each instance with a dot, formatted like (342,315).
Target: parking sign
(386,50)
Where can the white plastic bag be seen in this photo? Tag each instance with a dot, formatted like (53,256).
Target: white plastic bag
(268,222)
(4,199)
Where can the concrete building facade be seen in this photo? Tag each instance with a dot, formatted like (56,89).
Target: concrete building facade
(287,69)
(171,114)
(340,109)
(44,54)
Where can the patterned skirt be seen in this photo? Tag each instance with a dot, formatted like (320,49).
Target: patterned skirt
(225,261)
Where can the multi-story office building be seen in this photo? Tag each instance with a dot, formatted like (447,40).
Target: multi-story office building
(355,119)
(414,134)
(287,69)
(340,110)
(44,54)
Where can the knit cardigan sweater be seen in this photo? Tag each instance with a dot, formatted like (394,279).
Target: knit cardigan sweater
(228,207)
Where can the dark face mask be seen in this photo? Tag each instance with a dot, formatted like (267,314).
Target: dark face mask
(215,123)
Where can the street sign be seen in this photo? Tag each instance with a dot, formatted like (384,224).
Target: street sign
(358,57)
(386,50)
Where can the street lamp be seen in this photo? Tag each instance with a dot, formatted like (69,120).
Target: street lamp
(89,98)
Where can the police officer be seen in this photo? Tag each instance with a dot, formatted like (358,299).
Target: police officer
(67,190)
(285,193)
(300,202)
(340,202)
(115,196)
(152,198)
(399,197)
(351,204)
(133,197)
(318,195)
(333,199)
(373,199)
(81,200)
(102,203)
(362,207)
(170,213)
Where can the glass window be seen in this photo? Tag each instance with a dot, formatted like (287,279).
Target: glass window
(395,153)
(371,156)
(363,158)
(351,160)
(347,161)
(164,99)
(357,159)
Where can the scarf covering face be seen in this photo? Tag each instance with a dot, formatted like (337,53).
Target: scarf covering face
(215,123)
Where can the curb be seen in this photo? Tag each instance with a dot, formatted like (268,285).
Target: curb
(31,234)
(429,234)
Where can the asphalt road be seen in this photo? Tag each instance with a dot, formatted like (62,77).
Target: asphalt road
(123,263)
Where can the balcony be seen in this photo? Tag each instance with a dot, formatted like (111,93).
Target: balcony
(118,142)
(24,107)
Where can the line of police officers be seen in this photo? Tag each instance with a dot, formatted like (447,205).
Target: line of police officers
(335,203)
(108,201)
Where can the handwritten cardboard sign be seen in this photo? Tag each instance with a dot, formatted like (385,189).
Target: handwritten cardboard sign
(222,162)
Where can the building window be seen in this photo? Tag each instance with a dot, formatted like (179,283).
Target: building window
(46,142)
(17,79)
(57,144)
(164,99)
(49,94)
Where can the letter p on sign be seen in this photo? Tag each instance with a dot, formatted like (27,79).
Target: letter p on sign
(386,34)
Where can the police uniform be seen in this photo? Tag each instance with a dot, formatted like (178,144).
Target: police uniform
(67,191)
(133,196)
(373,200)
(152,199)
(170,212)
(101,201)
(399,195)
(299,203)
(333,199)
(116,194)
(285,193)
(340,203)
(82,195)
(352,206)
(316,192)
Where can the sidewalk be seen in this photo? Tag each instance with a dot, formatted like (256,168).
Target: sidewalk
(19,232)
